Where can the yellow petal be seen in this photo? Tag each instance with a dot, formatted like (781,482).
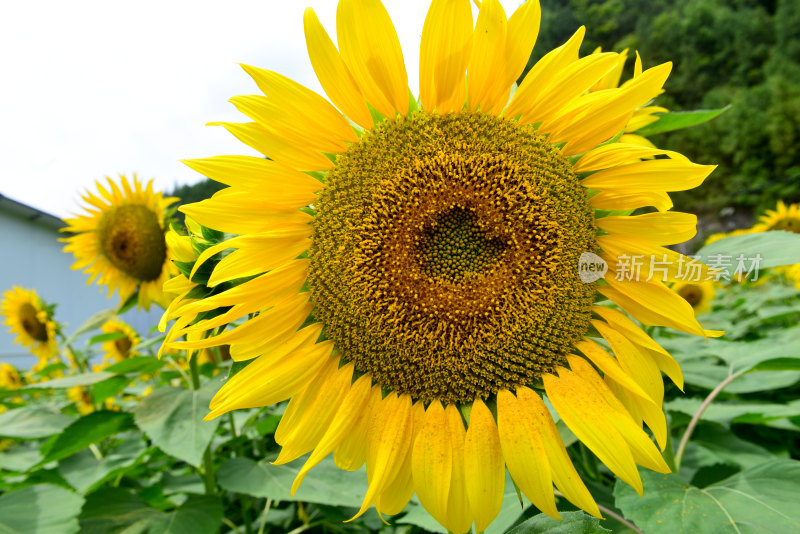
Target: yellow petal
(611,155)
(541,75)
(523,29)
(459,515)
(313,421)
(638,298)
(524,453)
(484,468)
(443,55)
(638,337)
(347,416)
(398,493)
(260,385)
(272,145)
(610,366)
(371,51)
(332,73)
(432,462)
(617,200)
(488,51)
(660,228)
(656,262)
(351,453)
(582,409)
(388,441)
(650,175)
(290,100)
(564,474)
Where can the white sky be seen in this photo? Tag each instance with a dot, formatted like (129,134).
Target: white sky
(98,88)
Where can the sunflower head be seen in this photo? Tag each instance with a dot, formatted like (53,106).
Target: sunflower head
(411,284)
(9,377)
(783,217)
(31,320)
(120,242)
(123,344)
(699,295)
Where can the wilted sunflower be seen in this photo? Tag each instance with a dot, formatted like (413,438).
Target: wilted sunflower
(122,347)
(417,313)
(698,294)
(120,241)
(31,320)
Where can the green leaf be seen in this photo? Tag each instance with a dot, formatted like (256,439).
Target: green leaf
(92,323)
(109,388)
(173,418)
(107,336)
(325,484)
(570,523)
(775,248)
(238,366)
(85,431)
(677,120)
(115,511)
(713,443)
(85,473)
(40,509)
(760,499)
(137,364)
(131,301)
(736,411)
(19,458)
(778,364)
(32,422)
(83,379)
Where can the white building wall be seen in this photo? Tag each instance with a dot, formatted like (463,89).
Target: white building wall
(32,257)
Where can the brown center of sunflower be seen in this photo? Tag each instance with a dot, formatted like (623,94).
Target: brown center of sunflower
(31,323)
(788,224)
(132,239)
(445,253)
(691,294)
(123,346)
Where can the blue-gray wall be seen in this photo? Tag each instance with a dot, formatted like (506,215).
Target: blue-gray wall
(33,258)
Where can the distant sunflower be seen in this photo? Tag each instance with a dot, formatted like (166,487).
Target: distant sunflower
(120,241)
(783,217)
(120,348)
(412,285)
(698,294)
(9,377)
(32,321)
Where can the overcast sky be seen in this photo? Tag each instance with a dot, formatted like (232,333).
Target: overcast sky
(100,88)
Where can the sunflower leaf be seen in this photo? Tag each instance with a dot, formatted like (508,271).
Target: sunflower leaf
(678,120)
(570,522)
(40,509)
(752,252)
(85,431)
(759,499)
(32,422)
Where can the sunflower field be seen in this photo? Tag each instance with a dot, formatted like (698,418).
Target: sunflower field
(470,308)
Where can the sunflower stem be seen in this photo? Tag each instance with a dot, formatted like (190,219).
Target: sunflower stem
(697,416)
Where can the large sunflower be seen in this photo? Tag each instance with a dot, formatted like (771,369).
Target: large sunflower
(31,320)
(120,241)
(412,284)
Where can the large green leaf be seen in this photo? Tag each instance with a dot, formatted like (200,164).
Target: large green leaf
(84,379)
(85,431)
(570,523)
(325,484)
(85,472)
(19,458)
(32,422)
(759,499)
(115,511)
(677,120)
(92,323)
(40,509)
(775,248)
(736,411)
(173,418)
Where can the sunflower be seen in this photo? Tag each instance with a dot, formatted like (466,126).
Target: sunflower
(119,348)
(783,217)
(9,377)
(643,116)
(120,240)
(411,283)
(31,320)
(698,294)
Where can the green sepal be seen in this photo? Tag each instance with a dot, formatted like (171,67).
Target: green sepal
(678,120)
